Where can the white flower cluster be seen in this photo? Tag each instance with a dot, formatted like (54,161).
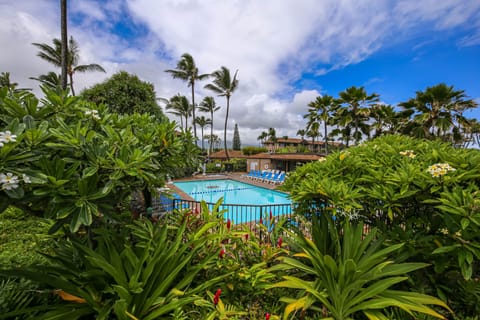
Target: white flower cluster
(10,181)
(408,153)
(93,113)
(440,169)
(6,137)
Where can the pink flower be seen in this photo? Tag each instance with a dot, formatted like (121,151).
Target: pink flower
(216,297)
(267,316)
(279,242)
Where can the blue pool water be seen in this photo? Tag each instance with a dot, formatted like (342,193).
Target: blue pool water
(233,192)
(243,202)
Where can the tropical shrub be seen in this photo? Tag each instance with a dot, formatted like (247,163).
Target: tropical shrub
(239,164)
(424,194)
(289,149)
(345,274)
(22,238)
(214,167)
(75,162)
(248,151)
(243,260)
(124,93)
(143,271)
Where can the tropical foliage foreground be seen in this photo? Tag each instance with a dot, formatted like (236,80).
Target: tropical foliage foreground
(389,229)
(424,194)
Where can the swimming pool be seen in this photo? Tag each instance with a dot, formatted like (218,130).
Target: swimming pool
(244,202)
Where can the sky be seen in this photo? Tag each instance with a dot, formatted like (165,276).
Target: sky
(287,52)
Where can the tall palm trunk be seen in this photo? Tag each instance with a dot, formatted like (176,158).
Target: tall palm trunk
(326,138)
(70,75)
(64,53)
(225,130)
(211,133)
(193,112)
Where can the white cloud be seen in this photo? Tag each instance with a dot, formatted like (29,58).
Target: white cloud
(272,43)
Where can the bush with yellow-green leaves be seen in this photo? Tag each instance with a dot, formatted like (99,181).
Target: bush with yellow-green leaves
(425,194)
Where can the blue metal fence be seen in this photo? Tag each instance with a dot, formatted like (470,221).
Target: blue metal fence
(248,214)
(240,213)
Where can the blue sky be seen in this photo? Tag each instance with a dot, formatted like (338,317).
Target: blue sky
(287,52)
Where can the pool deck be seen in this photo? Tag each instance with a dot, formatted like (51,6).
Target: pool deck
(237,176)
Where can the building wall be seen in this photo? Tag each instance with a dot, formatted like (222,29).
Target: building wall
(258,164)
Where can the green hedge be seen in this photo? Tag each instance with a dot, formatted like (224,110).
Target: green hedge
(22,237)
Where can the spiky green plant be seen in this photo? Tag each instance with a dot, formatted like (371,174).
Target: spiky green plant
(344,273)
(145,273)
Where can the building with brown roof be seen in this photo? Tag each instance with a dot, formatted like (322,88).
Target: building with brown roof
(312,146)
(274,161)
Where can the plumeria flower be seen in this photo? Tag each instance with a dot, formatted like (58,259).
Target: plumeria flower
(8,181)
(444,231)
(343,155)
(7,137)
(408,153)
(93,113)
(440,169)
(26,179)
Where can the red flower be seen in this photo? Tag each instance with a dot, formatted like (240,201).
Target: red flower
(229,224)
(271,215)
(217,296)
(221,254)
(261,220)
(267,316)
(246,236)
(279,242)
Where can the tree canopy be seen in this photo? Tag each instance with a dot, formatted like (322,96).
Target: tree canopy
(125,93)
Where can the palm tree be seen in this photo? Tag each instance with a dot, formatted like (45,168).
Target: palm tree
(385,120)
(215,140)
(54,56)
(313,132)
(438,111)
(272,135)
(262,137)
(203,122)
(180,107)
(6,82)
(471,133)
(187,71)
(322,107)
(208,105)
(64,47)
(357,102)
(51,80)
(224,86)
(301,133)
